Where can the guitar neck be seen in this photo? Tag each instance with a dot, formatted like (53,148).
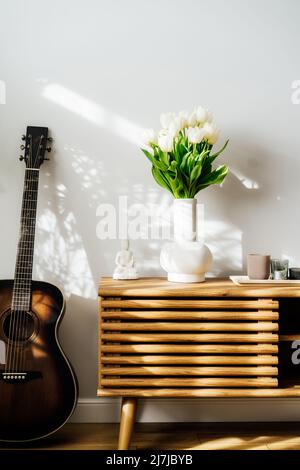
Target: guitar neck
(24,263)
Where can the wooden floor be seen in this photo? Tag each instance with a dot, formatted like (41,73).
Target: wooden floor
(204,436)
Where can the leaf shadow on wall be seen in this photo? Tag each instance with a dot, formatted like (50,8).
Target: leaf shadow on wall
(64,257)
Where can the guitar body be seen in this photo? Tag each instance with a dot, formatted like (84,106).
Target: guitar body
(38,388)
(39,402)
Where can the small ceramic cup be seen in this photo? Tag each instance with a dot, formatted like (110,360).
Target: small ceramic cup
(258,266)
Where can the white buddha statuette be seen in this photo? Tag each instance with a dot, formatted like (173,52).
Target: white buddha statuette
(125,268)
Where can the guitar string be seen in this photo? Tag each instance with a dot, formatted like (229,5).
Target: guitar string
(34,203)
(29,258)
(33,206)
(24,290)
(29,246)
(9,346)
(21,279)
(29,230)
(21,286)
(21,290)
(9,361)
(16,299)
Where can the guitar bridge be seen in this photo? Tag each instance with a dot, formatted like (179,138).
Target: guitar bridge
(19,377)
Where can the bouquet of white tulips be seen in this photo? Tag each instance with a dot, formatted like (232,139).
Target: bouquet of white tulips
(181,153)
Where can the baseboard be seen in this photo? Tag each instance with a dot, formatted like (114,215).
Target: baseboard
(107,410)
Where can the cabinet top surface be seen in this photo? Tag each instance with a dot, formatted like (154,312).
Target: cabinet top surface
(160,287)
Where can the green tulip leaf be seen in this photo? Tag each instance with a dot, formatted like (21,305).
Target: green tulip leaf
(215,155)
(160,179)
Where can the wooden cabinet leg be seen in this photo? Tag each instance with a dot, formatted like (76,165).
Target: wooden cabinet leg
(128,412)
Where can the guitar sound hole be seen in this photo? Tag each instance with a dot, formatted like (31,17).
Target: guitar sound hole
(18,326)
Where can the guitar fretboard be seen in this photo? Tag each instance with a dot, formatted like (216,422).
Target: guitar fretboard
(24,263)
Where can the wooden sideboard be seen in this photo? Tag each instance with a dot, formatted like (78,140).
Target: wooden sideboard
(212,339)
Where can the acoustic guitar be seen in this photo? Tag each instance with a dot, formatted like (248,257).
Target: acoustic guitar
(38,388)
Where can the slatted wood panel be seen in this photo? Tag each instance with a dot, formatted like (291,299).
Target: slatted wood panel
(188,359)
(187,370)
(200,392)
(189,349)
(199,326)
(190,338)
(199,382)
(155,344)
(259,304)
(260,315)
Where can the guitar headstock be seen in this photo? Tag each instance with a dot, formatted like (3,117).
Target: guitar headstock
(35,146)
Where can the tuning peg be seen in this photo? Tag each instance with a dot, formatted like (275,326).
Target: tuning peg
(22,147)
(23,137)
(21,158)
(48,149)
(49,139)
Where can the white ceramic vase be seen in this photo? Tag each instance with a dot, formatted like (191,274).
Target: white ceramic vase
(185,259)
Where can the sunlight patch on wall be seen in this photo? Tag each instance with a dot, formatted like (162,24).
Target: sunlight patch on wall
(93,112)
(245,180)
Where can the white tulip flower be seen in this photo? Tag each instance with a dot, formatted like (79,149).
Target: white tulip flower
(211,133)
(165,141)
(149,137)
(176,125)
(195,134)
(173,128)
(166,119)
(184,118)
(201,115)
(214,137)
(192,119)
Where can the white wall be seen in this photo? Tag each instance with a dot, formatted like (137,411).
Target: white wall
(97,71)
